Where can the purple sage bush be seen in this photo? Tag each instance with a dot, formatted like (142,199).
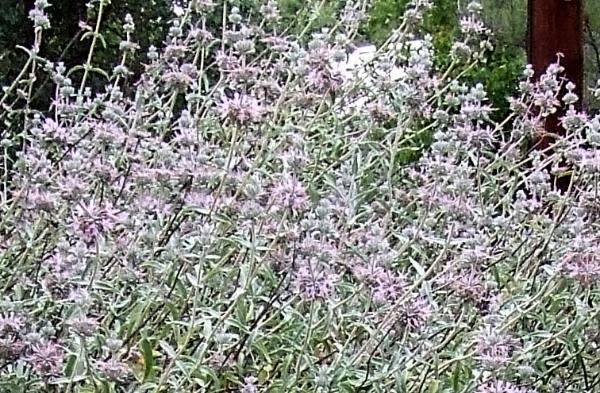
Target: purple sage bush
(241,217)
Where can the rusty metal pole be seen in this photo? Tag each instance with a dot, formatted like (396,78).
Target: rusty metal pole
(556,26)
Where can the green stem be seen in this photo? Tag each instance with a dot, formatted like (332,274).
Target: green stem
(88,63)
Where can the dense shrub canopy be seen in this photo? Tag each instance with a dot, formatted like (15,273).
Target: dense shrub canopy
(241,216)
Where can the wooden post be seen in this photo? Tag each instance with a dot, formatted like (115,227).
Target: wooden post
(556,26)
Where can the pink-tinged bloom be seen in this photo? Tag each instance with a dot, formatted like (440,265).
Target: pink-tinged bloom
(93,221)
(583,267)
(84,326)
(47,358)
(494,350)
(245,73)
(468,284)
(113,369)
(38,199)
(590,161)
(289,193)
(173,51)
(202,35)
(71,188)
(241,108)
(55,131)
(501,387)
(323,80)
(313,283)
(108,133)
(270,11)
(277,44)
(10,323)
(414,314)
(386,286)
(389,287)
(249,385)
(227,62)
(180,78)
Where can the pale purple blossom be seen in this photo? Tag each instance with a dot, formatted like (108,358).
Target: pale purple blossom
(92,221)
(11,323)
(583,267)
(241,108)
(414,314)
(289,193)
(312,282)
(385,285)
(113,369)
(494,349)
(54,130)
(249,385)
(47,358)
(501,387)
(40,199)
(84,326)
(270,10)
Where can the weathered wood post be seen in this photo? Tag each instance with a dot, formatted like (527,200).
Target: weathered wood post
(556,26)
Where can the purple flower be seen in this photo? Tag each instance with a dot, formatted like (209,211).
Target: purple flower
(270,10)
(244,73)
(289,193)
(468,284)
(389,286)
(173,51)
(54,130)
(93,221)
(322,80)
(583,267)
(39,199)
(177,79)
(590,161)
(494,350)
(501,387)
(413,314)
(84,326)
(46,358)
(242,108)
(249,385)
(386,286)
(112,369)
(10,323)
(276,43)
(71,188)
(312,283)
(226,62)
